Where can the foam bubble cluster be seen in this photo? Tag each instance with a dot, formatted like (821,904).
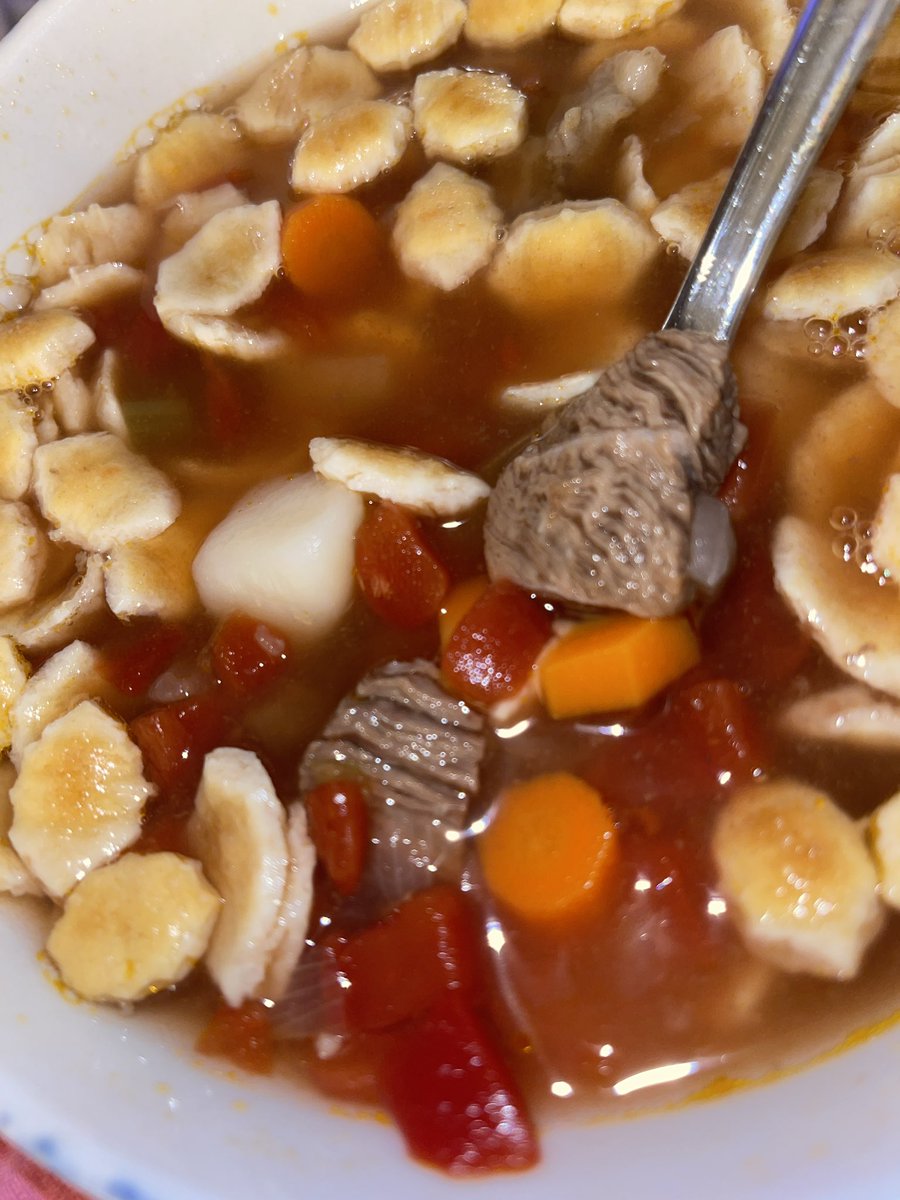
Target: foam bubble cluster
(853,543)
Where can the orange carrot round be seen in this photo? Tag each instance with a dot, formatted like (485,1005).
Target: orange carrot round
(458,603)
(332,248)
(550,850)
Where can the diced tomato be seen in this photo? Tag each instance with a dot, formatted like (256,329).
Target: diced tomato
(748,633)
(491,652)
(352,1073)
(401,578)
(174,739)
(677,881)
(248,656)
(139,652)
(338,826)
(453,1096)
(749,482)
(721,726)
(707,739)
(242,1035)
(397,969)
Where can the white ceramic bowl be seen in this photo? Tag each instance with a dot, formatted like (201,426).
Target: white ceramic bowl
(119,1104)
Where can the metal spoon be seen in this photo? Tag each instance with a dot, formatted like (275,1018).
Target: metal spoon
(608,507)
(833,42)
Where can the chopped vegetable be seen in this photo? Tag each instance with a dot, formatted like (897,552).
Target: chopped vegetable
(338,826)
(453,1096)
(615,662)
(248,656)
(140,652)
(333,248)
(494,647)
(550,849)
(427,942)
(401,577)
(458,603)
(243,1035)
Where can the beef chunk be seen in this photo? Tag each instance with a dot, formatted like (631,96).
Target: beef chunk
(598,512)
(417,751)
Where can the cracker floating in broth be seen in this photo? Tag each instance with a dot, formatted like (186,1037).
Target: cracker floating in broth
(502,24)
(446,228)
(353,146)
(97,235)
(565,256)
(78,797)
(467,116)
(397,34)
(300,88)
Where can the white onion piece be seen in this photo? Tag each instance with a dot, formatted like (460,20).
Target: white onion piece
(712,542)
(178,683)
(313,1003)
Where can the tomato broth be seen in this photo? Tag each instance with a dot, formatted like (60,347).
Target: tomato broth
(654,990)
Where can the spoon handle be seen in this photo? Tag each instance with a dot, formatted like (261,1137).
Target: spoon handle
(832,44)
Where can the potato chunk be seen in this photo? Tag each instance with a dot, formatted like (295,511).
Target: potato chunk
(97,493)
(446,228)
(284,554)
(468,116)
(798,878)
(351,147)
(238,833)
(79,796)
(397,34)
(134,927)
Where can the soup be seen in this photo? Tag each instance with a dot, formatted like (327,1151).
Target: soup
(409,818)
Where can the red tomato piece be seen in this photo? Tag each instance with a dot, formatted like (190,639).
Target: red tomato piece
(339,826)
(706,740)
(748,484)
(453,1096)
(174,739)
(141,651)
(398,968)
(242,1035)
(491,652)
(351,1075)
(248,656)
(402,579)
(721,726)
(748,633)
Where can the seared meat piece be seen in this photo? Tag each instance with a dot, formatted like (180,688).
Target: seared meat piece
(599,511)
(417,751)
(578,136)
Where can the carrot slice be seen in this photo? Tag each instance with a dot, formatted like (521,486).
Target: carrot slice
(458,603)
(550,849)
(332,247)
(615,662)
